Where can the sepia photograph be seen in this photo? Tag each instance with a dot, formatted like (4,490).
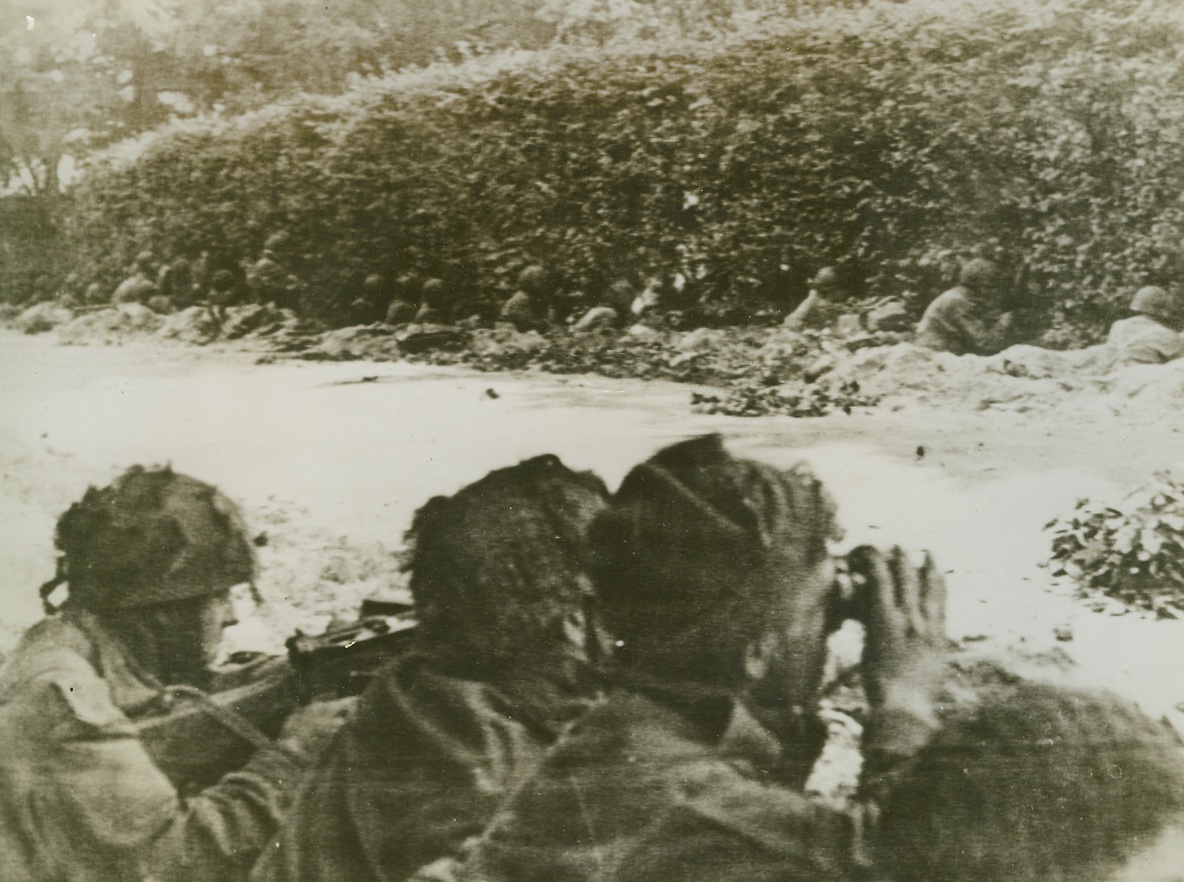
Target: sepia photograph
(591,441)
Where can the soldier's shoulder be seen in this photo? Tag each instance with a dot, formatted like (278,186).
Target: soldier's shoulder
(51,670)
(956,295)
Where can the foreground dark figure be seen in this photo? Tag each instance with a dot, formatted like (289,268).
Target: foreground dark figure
(503,668)
(714,575)
(1039,783)
(149,562)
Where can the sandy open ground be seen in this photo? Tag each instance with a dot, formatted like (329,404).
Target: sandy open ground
(331,459)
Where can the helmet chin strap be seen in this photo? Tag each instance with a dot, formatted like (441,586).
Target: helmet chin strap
(49,587)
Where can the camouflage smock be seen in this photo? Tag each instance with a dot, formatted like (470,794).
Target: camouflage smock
(80,798)
(1141,339)
(420,769)
(638,790)
(958,323)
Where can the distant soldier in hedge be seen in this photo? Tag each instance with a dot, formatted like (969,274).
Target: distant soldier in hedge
(1153,334)
(176,283)
(613,306)
(270,279)
(94,295)
(528,308)
(70,293)
(148,564)
(822,306)
(371,304)
(433,303)
(403,306)
(221,294)
(968,319)
(139,287)
(170,280)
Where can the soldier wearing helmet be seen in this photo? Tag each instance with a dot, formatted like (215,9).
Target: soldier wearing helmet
(506,663)
(404,304)
(528,308)
(713,574)
(821,308)
(138,287)
(1153,334)
(967,319)
(147,564)
(270,278)
(435,305)
(372,302)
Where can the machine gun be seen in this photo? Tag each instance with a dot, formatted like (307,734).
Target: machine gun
(197,736)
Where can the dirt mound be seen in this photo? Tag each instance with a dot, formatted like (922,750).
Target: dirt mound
(382,342)
(1021,378)
(755,371)
(197,325)
(1157,388)
(1036,363)
(110,325)
(771,370)
(42,317)
(257,320)
(374,342)
(192,325)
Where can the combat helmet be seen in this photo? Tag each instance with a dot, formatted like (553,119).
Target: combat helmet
(277,242)
(1157,303)
(826,279)
(673,553)
(979,275)
(152,536)
(496,567)
(533,279)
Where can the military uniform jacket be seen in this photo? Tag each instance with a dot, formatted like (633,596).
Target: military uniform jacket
(428,756)
(956,322)
(80,798)
(1141,339)
(639,791)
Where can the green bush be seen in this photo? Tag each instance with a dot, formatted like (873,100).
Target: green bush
(32,259)
(886,138)
(1133,552)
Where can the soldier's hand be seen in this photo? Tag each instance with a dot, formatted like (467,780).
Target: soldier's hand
(308,730)
(905,645)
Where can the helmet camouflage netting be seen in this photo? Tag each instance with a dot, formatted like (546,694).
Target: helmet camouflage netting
(673,554)
(979,274)
(153,536)
(496,568)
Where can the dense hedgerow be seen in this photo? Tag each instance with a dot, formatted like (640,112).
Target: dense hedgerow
(886,138)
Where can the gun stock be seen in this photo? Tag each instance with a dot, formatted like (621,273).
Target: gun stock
(196,737)
(341,661)
(192,743)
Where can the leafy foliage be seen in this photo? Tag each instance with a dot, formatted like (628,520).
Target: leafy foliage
(888,137)
(1133,552)
(799,398)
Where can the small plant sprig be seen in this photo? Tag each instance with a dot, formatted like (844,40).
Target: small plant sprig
(1132,552)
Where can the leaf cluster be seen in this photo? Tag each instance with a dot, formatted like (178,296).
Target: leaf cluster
(1133,551)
